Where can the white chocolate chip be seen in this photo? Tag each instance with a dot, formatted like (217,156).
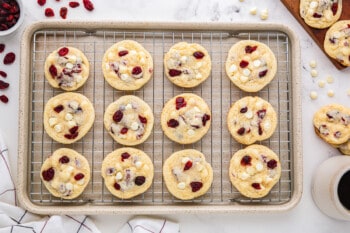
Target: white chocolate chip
(74,105)
(68,117)
(313,64)
(250,170)
(249,114)
(196,109)
(81,182)
(119,176)
(233,68)
(313,95)
(259,104)
(79,78)
(142,61)
(264,14)
(72,59)
(69,65)
(246,72)
(185,160)
(124,77)
(183,59)
(257,63)
(52,121)
(267,125)
(199,76)
(133,52)
(321,83)
(123,69)
(134,126)
(330,93)
(58,128)
(110,55)
(71,124)
(107,66)
(313,4)
(138,164)
(128,106)
(69,186)
(330,79)
(314,73)
(268,179)
(190,132)
(259,166)
(243,79)
(311,11)
(181,185)
(253,11)
(244,175)
(121,48)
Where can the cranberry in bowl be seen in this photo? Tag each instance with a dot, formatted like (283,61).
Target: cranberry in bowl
(11,16)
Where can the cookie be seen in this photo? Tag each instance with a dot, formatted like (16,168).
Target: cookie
(251,119)
(320,13)
(187,175)
(251,65)
(68,117)
(65,173)
(254,171)
(187,65)
(186,118)
(127,172)
(332,124)
(337,42)
(129,120)
(66,68)
(127,65)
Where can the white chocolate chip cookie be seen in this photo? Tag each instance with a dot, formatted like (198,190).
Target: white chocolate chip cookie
(251,119)
(129,120)
(67,68)
(127,172)
(254,171)
(187,65)
(185,118)
(187,175)
(65,173)
(127,65)
(320,13)
(251,65)
(337,42)
(68,117)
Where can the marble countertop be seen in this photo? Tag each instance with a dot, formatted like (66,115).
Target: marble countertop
(305,216)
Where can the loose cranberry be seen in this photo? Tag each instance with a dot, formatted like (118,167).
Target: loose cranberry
(41,2)
(198,54)
(337,134)
(260,130)
(88,5)
(3,85)
(241,131)
(246,160)
(9,18)
(124,130)
(116,186)
(48,174)
(4,99)
(53,71)
(74,4)
(334,8)
(243,64)
(261,113)
(58,108)
(140,180)
(316,15)
(6,6)
(262,73)
(142,119)
(73,129)
(3,74)
(71,136)
(9,58)
(123,53)
(172,123)
(118,116)
(272,164)
(79,176)
(250,49)
(63,51)
(173,72)
(63,12)
(188,165)
(124,156)
(64,159)
(196,185)
(244,110)
(205,118)
(2,48)
(180,102)
(256,185)
(49,12)
(136,70)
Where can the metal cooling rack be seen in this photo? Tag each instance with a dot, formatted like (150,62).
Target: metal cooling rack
(217,91)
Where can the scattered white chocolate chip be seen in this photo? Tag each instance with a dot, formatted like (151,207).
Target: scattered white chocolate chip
(244,176)
(313,95)
(259,166)
(118,176)
(69,65)
(267,125)
(249,114)
(199,76)
(181,185)
(233,68)
(259,104)
(110,55)
(185,160)
(243,79)
(313,64)
(250,170)
(58,128)
(69,186)
(81,182)
(264,14)
(183,59)
(268,179)
(128,106)
(314,73)
(68,117)
(122,69)
(124,77)
(71,124)
(330,93)
(74,105)
(257,63)
(190,132)
(313,4)
(52,121)
(79,78)
(138,164)
(133,52)
(72,59)
(142,60)
(134,126)
(246,72)
(253,11)
(330,79)
(321,83)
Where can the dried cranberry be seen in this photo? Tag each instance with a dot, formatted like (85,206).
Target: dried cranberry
(116,186)
(337,134)
(260,130)
(123,53)
(9,58)
(3,85)
(2,48)
(244,110)
(261,113)
(256,185)
(6,6)
(3,74)
(246,160)
(172,123)
(88,5)
(243,64)
(272,164)
(250,49)
(74,4)
(140,180)
(71,136)
(79,176)
(53,71)
(64,159)
(205,118)
(180,102)
(316,15)
(49,12)
(241,131)
(334,8)
(196,185)
(118,116)
(136,70)
(188,165)
(63,12)
(124,130)
(4,99)
(48,174)
(142,119)
(58,108)
(262,73)
(73,129)
(173,72)
(198,54)
(63,51)
(124,156)
(41,2)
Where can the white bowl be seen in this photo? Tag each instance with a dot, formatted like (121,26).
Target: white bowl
(19,22)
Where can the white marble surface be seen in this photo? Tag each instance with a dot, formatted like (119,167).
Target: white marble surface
(305,217)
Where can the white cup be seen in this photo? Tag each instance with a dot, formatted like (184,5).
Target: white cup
(325,187)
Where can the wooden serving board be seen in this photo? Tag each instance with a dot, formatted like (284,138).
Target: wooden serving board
(317,34)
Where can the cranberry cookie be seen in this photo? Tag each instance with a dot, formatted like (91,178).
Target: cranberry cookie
(127,65)
(332,124)
(67,68)
(187,65)
(68,117)
(65,173)
(254,171)
(129,120)
(187,175)
(320,13)
(251,119)
(251,65)
(337,42)
(186,118)
(127,172)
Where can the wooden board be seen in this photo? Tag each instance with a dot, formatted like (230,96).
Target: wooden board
(317,34)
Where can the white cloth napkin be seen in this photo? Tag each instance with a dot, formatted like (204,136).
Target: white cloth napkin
(147,225)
